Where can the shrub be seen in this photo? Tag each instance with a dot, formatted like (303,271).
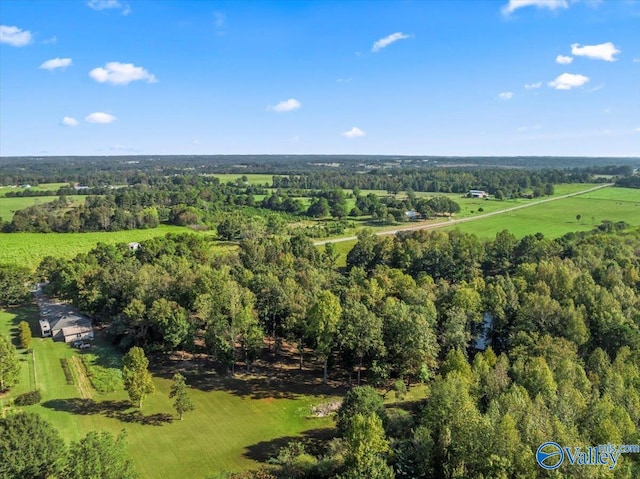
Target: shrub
(28,399)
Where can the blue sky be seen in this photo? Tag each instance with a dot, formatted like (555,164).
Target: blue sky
(476,78)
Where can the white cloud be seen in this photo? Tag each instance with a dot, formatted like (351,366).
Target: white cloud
(604,51)
(100,117)
(110,5)
(51,41)
(563,60)
(533,86)
(513,5)
(14,36)
(638,130)
(506,95)
(354,132)
(636,60)
(118,73)
(69,121)
(386,41)
(567,81)
(56,63)
(287,105)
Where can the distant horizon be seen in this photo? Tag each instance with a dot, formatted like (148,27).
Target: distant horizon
(631,157)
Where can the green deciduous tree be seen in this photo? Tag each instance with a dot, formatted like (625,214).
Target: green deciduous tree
(359,400)
(14,284)
(171,322)
(30,448)
(323,320)
(137,378)
(366,449)
(99,455)
(9,365)
(182,402)
(360,333)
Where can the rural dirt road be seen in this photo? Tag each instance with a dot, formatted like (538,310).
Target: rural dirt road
(451,222)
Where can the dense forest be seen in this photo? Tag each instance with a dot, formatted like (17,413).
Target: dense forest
(562,318)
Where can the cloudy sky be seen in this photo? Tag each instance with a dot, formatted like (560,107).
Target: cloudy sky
(502,77)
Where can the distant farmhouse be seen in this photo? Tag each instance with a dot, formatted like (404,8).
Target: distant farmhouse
(412,215)
(477,194)
(69,327)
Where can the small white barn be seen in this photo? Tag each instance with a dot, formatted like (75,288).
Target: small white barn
(478,194)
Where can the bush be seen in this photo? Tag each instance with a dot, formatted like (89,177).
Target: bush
(28,399)
(25,334)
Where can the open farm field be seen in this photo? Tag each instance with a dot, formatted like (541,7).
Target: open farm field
(235,421)
(41,187)
(29,249)
(252,178)
(557,218)
(8,206)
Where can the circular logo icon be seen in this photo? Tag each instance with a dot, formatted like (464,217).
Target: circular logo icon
(550,455)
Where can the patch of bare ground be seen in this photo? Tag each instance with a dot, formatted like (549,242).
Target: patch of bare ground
(83,382)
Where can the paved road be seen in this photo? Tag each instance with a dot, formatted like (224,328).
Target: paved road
(450,222)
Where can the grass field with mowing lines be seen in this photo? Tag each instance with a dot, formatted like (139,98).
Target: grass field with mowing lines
(8,206)
(235,422)
(557,218)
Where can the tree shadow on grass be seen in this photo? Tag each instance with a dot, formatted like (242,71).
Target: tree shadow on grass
(113,409)
(263,387)
(314,440)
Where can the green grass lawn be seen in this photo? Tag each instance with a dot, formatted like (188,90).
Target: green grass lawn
(8,206)
(557,218)
(236,421)
(30,248)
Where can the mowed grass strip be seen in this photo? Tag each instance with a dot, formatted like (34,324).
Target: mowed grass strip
(232,425)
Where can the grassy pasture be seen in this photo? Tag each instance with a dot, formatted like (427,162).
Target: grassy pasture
(557,218)
(553,219)
(29,248)
(235,423)
(42,187)
(8,206)
(252,178)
